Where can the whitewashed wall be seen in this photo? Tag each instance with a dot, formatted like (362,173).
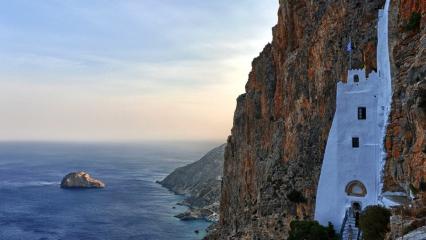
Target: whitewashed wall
(343,163)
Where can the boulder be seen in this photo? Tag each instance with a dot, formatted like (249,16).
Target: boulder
(80,180)
(417,234)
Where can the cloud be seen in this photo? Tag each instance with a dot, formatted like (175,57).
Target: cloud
(126,69)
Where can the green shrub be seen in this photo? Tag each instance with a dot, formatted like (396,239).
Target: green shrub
(374,222)
(422,185)
(296,196)
(311,230)
(414,21)
(413,189)
(331,232)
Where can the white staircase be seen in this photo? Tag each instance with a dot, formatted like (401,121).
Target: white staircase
(349,230)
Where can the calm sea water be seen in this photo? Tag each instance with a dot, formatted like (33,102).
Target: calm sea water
(132,206)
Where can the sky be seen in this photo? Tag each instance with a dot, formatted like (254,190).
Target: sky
(115,70)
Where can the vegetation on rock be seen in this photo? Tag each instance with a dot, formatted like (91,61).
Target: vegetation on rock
(414,21)
(311,230)
(422,185)
(296,196)
(413,189)
(374,222)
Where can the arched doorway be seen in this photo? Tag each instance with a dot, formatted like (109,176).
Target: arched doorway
(356,188)
(356,210)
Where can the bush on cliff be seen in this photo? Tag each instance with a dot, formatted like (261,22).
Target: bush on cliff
(414,21)
(422,185)
(311,230)
(374,222)
(331,232)
(296,197)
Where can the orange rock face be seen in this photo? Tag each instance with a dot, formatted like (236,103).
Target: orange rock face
(405,140)
(407,7)
(281,123)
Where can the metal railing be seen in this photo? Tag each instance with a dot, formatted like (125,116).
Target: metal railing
(359,237)
(348,214)
(342,228)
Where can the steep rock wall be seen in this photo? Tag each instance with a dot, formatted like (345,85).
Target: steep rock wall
(274,155)
(406,135)
(200,180)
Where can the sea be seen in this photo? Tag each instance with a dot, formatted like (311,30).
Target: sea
(132,206)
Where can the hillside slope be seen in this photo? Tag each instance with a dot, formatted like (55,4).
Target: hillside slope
(199,181)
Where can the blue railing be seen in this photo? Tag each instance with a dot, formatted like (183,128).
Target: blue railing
(342,228)
(345,219)
(359,234)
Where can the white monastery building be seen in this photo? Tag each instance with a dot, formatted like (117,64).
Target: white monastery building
(351,174)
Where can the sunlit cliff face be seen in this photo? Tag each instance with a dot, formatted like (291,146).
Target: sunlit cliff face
(78,70)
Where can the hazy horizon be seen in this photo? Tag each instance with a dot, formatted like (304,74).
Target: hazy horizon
(126,70)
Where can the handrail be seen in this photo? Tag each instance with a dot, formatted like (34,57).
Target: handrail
(359,234)
(342,228)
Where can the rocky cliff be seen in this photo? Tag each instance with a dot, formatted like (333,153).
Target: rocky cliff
(405,143)
(200,183)
(406,135)
(274,155)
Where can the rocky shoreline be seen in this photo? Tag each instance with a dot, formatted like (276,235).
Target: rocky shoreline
(199,213)
(200,182)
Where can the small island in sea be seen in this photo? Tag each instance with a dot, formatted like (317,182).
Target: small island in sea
(80,180)
(131,206)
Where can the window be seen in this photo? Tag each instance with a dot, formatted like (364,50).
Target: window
(356,78)
(355,142)
(362,113)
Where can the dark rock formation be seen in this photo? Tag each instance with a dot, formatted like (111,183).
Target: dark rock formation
(282,122)
(196,213)
(200,182)
(80,180)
